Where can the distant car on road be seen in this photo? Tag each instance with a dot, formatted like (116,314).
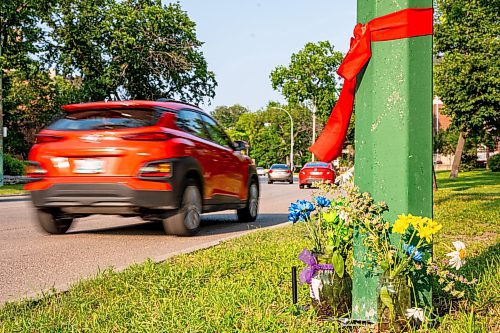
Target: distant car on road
(261,171)
(160,160)
(280,173)
(316,172)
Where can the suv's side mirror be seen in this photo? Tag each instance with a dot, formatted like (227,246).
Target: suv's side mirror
(239,145)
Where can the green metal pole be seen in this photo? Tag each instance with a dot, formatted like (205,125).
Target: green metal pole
(1,111)
(393,138)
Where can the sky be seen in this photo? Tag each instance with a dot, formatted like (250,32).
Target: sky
(244,40)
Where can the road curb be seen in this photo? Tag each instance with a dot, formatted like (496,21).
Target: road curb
(65,287)
(14,197)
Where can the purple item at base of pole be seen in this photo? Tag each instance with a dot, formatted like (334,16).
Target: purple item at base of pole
(312,267)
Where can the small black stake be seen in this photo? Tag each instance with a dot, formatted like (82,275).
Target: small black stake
(294,284)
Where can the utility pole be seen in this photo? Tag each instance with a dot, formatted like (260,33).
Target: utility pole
(393,140)
(313,108)
(291,134)
(1,110)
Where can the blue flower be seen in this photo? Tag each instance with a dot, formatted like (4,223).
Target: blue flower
(322,201)
(300,211)
(417,255)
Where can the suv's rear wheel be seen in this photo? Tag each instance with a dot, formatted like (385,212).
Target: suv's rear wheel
(250,211)
(53,223)
(186,222)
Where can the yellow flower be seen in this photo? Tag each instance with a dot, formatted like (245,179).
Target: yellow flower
(426,228)
(330,216)
(434,226)
(401,224)
(425,232)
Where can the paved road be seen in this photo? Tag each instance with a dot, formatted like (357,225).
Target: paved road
(32,261)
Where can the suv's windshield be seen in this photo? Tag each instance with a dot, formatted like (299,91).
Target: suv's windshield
(103,119)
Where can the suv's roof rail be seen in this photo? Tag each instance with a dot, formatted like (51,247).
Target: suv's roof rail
(176,101)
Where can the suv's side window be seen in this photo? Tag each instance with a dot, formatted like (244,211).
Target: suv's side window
(217,134)
(191,122)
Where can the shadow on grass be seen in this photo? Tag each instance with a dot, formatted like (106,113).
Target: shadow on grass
(211,224)
(488,200)
(483,295)
(469,180)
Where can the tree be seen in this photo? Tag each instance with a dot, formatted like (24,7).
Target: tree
(268,133)
(227,116)
(21,40)
(467,77)
(135,49)
(32,102)
(310,76)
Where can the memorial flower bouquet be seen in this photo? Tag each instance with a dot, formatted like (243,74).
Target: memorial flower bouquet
(331,246)
(399,250)
(327,228)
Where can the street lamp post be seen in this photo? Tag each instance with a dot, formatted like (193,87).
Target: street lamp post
(314,128)
(291,134)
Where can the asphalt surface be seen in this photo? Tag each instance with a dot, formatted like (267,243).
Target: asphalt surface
(32,261)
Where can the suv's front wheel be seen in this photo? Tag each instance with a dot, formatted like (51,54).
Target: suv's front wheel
(186,222)
(250,211)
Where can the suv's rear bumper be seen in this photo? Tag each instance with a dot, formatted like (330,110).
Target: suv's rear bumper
(102,198)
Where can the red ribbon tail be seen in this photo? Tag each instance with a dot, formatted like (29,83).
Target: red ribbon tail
(329,144)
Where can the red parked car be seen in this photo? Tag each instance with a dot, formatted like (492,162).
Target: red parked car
(316,172)
(160,160)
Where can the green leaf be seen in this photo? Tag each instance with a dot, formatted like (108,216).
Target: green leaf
(338,263)
(384,265)
(386,299)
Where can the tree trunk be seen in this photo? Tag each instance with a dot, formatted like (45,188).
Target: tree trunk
(487,157)
(434,181)
(458,156)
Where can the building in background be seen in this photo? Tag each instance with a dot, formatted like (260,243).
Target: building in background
(441,122)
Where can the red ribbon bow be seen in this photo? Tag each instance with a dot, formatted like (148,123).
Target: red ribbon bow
(406,23)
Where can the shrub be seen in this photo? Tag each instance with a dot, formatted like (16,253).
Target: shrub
(12,166)
(494,163)
(469,162)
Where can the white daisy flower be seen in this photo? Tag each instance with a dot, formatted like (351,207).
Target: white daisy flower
(346,176)
(457,257)
(343,216)
(415,313)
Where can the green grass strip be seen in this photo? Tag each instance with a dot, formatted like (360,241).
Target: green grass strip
(12,189)
(243,285)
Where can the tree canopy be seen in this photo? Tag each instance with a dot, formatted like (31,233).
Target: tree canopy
(467,75)
(310,76)
(132,49)
(268,133)
(227,116)
(55,52)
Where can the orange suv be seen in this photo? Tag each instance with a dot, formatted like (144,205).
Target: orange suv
(160,160)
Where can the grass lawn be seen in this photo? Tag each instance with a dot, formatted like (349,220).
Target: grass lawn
(243,285)
(12,189)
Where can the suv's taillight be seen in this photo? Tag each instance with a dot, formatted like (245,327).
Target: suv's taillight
(46,138)
(156,170)
(148,136)
(34,170)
